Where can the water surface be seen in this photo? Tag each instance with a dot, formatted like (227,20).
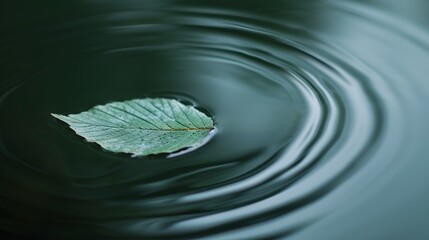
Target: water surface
(320,107)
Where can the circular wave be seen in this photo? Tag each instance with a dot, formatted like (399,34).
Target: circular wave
(298,117)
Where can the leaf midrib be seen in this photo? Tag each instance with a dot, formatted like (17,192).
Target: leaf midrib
(156,129)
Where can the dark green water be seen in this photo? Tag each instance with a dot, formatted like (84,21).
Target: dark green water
(321,108)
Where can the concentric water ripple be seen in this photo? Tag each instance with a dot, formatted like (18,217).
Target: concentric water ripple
(310,112)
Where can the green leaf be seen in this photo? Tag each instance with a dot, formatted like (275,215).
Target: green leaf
(142,126)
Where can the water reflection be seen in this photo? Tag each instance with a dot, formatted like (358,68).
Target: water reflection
(318,104)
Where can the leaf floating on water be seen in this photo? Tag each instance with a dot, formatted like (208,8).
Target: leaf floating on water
(142,126)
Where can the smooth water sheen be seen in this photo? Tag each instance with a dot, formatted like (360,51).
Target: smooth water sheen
(321,108)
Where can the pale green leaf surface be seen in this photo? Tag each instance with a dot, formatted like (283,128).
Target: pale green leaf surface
(142,126)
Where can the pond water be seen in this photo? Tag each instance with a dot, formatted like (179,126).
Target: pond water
(319,105)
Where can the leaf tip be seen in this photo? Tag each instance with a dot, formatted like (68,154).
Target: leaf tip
(59,116)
